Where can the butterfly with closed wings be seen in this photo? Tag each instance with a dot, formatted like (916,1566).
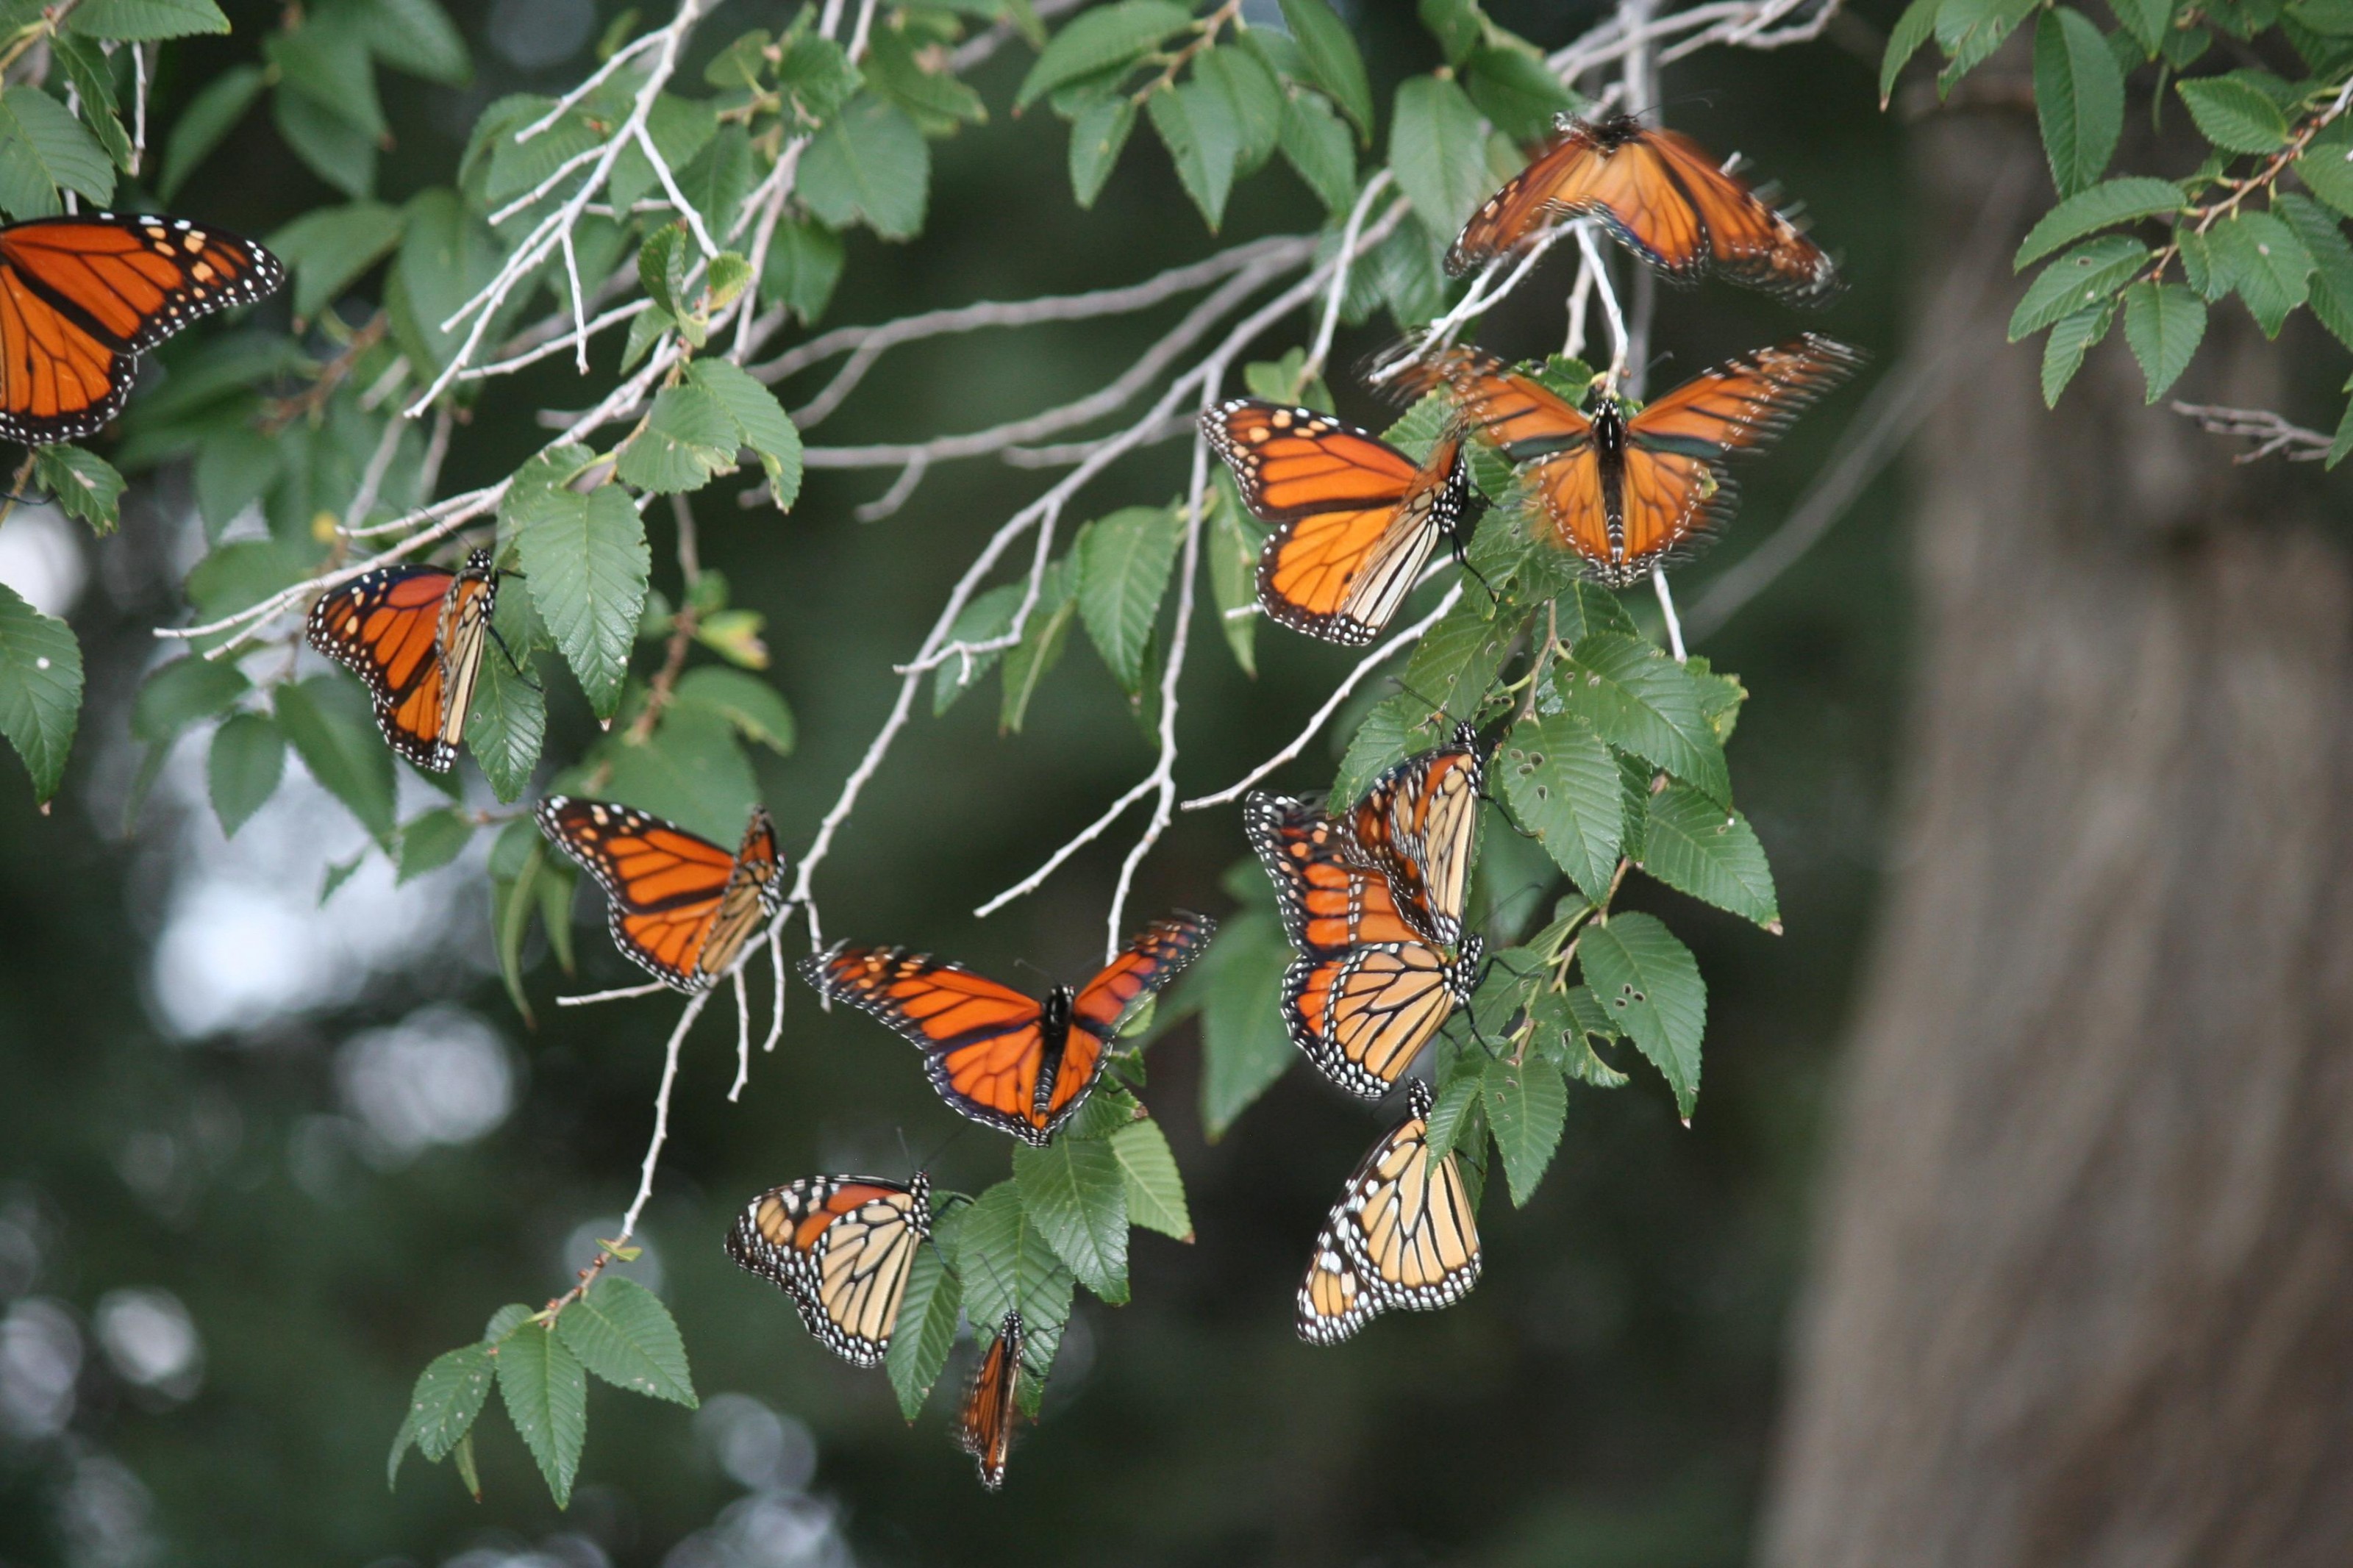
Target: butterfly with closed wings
(1661,196)
(1355,517)
(1401,1238)
(984,1427)
(1003,1058)
(681,908)
(842,1248)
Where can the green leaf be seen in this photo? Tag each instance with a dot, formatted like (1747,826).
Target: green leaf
(689,439)
(984,617)
(1586,608)
(1041,647)
(402,1441)
(1006,1265)
(1097,137)
(1438,151)
(1517,91)
(2343,445)
(1651,986)
(1526,1107)
(448,1395)
(145,19)
(803,266)
(325,59)
(2109,202)
(83,484)
(2332,263)
(1396,728)
(1233,549)
(178,694)
(870,165)
(330,145)
(446,256)
(761,422)
(2079,96)
(2266,262)
(2233,114)
(1914,28)
(43,147)
(417,37)
(93,81)
(1197,127)
(1253,97)
(1694,846)
(2164,323)
(900,66)
(2149,22)
(1642,701)
(1098,40)
(1456,25)
(431,841)
(210,116)
(623,1333)
(1332,60)
(1970,30)
(1238,987)
(1562,785)
(330,247)
(758,712)
(691,771)
(1124,563)
(1076,1197)
(2327,166)
(1455,1111)
(1316,146)
(662,264)
(817,78)
(248,758)
(327,718)
(2083,277)
(1457,659)
(2070,340)
(681,128)
(507,725)
(925,1331)
(586,560)
(1156,1189)
(546,1395)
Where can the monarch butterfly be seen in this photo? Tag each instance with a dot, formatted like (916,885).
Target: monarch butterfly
(1401,1238)
(840,1246)
(1417,825)
(985,1430)
(1626,492)
(1663,198)
(681,907)
(1008,1060)
(1369,988)
(414,635)
(82,297)
(1355,517)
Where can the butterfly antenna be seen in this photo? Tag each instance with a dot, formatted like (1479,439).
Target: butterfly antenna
(511,660)
(1046,976)
(939,1148)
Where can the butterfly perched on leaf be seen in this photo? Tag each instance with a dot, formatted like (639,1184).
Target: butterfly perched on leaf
(1383,960)
(680,906)
(1005,1059)
(82,297)
(1355,517)
(842,1248)
(1401,1238)
(1661,196)
(414,635)
(984,1427)
(1627,491)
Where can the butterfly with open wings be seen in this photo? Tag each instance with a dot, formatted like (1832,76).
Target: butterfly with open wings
(681,908)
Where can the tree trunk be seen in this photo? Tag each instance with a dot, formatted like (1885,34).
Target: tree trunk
(2083,1293)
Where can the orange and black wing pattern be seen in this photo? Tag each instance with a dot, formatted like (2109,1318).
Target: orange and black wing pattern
(1745,404)
(1400,1239)
(1362,1016)
(1355,517)
(1417,825)
(82,297)
(682,908)
(1151,958)
(842,1248)
(415,636)
(1332,904)
(984,1427)
(1517,414)
(1661,196)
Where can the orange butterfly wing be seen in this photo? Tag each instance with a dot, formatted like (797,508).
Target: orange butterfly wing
(1362,1016)
(842,1248)
(1661,196)
(1330,905)
(984,1427)
(414,635)
(680,906)
(81,297)
(1746,403)
(1416,826)
(1517,414)
(1356,517)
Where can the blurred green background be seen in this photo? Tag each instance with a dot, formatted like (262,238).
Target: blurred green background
(258,1164)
